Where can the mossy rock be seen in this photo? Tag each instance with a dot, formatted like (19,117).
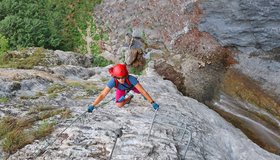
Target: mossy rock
(23,59)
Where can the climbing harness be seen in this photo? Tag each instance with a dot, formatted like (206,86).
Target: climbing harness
(154,121)
(43,150)
(129,87)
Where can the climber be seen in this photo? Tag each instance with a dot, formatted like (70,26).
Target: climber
(123,82)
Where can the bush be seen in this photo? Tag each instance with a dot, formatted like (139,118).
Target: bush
(28,24)
(135,71)
(15,133)
(99,61)
(51,24)
(15,140)
(43,130)
(4,44)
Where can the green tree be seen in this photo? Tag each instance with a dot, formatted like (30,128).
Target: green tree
(52,24)
(27,23)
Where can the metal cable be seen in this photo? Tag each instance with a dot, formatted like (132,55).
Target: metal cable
(171,125)
(43,150)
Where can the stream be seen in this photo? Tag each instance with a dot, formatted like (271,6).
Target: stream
(256,123)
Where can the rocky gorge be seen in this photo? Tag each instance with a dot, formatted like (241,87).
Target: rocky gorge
(206,61)
(59,94)
(199,44)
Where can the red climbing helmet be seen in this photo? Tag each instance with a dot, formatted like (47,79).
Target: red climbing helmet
(118,70)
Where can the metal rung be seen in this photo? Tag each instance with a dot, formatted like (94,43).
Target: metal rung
(169,118)
(174,112)
(173,126)
(174,141)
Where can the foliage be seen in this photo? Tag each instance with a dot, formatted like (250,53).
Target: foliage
(4,99)
(135,71)
(56,88)
(52,24)
(43,130)
(3,44)
(6,124)
(15,140)
(26,23)
(83,20)
(85,86)
(52,95)
(100,61)
(39,109)
(90,88)
(15,133)
(23,60)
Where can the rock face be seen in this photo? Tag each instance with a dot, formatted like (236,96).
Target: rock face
(170,31)
(262,67)
(134,55)
(198,37)
(194,43)
(253,28)
(248,25)
(93,136)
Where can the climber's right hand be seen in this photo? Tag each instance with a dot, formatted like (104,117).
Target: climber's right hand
(90,108)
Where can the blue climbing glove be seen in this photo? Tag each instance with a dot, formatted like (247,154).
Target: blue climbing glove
(90,108)
(155,106)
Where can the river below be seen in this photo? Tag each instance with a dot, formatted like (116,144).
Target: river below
(244,103)
(259,125)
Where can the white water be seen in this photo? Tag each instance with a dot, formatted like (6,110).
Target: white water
(247,114)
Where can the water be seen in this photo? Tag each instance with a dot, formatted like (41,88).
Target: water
(261,127)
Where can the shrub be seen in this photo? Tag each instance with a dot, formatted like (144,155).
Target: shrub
(3,44)
(16,140)
(18,132)
(43,130)
(99,61)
